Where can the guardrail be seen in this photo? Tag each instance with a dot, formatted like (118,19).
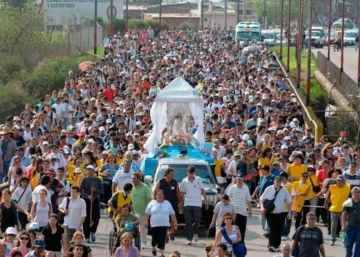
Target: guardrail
(310,118)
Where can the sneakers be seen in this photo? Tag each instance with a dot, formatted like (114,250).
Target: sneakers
(188,242)
(285,238)
(92,237)
(196,238)
(266,234)
(87,240)
(277,250)
(143,246)
(332,243)
(272,249)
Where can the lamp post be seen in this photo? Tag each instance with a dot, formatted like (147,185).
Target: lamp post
(281,28)
(342,37)
(309,56)
(329,29)
(160,12)
(95,27)
(202,15)
(264,15)
(238,12)
(225,13)
(111,18)
(288,38)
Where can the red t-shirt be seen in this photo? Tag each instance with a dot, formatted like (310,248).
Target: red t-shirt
(110,94)
(322,175)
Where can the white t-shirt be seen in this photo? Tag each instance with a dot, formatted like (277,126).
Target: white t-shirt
(76,211)
(220,209)
(192,191)
(66,188)
(121,178)
(159,213)
(25,198)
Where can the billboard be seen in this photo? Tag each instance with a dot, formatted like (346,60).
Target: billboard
(64,12)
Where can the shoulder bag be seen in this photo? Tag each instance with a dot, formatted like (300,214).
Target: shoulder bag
(269,205)
(316,189)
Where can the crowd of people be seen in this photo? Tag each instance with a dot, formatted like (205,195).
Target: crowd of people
(82,145)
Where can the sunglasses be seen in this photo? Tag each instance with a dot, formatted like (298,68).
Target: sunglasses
(24,238)
(228,218)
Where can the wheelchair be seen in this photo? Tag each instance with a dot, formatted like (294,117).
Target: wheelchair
(114,238)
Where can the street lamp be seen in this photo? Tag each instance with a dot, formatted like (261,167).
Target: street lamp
(281,28)
(309,56)
(160,12)
(126,15)
(299,44)
(225,10)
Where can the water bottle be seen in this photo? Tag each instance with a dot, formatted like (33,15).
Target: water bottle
(343,236)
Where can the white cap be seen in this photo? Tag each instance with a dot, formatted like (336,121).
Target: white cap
(131,147)
(45,143)
(284,147)
(292,124)
(91,141)
(90,167)
(101,129)
(138,123)
(51,156)
(245,137)
(280,132)
(109,121)
(11,231)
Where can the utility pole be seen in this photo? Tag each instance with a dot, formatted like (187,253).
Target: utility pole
(225,10)
(299,44)
(95,27)
(160,13)
(342,37)
(309,56)
(288,38)
(281,28)
(202,14)
(264,15)
(244,10)
(329,28)
(111,17)
(238,12)
(126,15)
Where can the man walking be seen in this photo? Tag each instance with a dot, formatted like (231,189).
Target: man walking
(91,188)
(351,216)
(141,196)
(74,209)
(172,194)
(308,239)
(276,218)
(192,189)
(240,197)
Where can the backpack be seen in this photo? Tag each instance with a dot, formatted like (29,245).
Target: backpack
(35,205)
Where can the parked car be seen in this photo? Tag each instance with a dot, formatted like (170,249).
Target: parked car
(202,170)
(349,37)
(317,39)
(348,23)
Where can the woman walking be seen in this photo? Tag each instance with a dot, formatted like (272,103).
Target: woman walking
(8,211)
(23,244)
(159,210)
(54,236)
(126,249)
(41,210)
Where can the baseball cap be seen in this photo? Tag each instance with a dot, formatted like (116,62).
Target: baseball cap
(34,226)
(240,176)
(284,147)
(11,231)
(131,147)
(276,163)
(237,153)
(340,178)
(39,243)
(90,167)
(101,129)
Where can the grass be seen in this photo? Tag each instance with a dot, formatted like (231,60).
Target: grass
(99,51)
(317,92)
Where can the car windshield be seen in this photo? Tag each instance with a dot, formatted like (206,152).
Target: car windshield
(278,36)
(201,171)
(315,33)
(268,35)
(351,34)
(241,35)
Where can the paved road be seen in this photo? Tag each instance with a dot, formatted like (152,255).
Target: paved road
(350,60)
(255,243)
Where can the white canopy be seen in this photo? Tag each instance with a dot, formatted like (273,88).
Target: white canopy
(173,109)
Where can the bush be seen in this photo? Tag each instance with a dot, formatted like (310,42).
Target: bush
(185,25)
(9,92)
(144,24)
(119,25)
(9,66)
(50,74)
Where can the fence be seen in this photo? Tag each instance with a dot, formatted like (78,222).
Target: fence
(82,39)
(344,83)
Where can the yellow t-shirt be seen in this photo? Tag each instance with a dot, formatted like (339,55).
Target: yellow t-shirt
(218,165)
(296,171)
(263,162)
(338,196)
(299,188)
(289,187)
(315,181)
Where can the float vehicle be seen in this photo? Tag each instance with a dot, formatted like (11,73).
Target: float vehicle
(177,117)
(248,31)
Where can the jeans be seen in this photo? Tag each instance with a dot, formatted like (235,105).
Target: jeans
(192,214)
(275,223)
(241,221)
(287,227)
(6,165)
(335,219)
(352,237)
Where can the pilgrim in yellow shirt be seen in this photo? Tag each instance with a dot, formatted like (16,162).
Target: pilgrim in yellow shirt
(338,195)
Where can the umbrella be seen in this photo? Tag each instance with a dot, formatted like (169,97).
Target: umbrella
(84,66)
(252,48)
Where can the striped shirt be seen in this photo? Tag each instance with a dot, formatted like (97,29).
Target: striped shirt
(352,179)
(240,197)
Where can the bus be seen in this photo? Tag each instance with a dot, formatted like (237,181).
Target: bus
(249,31)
